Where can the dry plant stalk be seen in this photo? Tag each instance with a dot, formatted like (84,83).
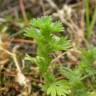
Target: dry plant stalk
(4,58)
(20,78)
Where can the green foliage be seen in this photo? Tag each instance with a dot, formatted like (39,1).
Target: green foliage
(59,88)
(74,76)
(88,58)
(89,24)
(82,72)
(92,93)
(42,30)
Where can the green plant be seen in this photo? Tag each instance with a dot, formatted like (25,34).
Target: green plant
(43,31)
(59,88)
(89,24)
(82,78)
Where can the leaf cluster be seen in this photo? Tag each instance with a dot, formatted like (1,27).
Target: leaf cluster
(43,31)
(83,72)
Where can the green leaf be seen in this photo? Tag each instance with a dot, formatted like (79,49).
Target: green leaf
(60,43)
(42,22)
(92,93)
(73,75)
(88,57)
(49,79)
(57,27)
(32,32)
(51,91)
(59,88)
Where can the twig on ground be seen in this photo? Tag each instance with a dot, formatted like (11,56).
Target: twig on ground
(21,2)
